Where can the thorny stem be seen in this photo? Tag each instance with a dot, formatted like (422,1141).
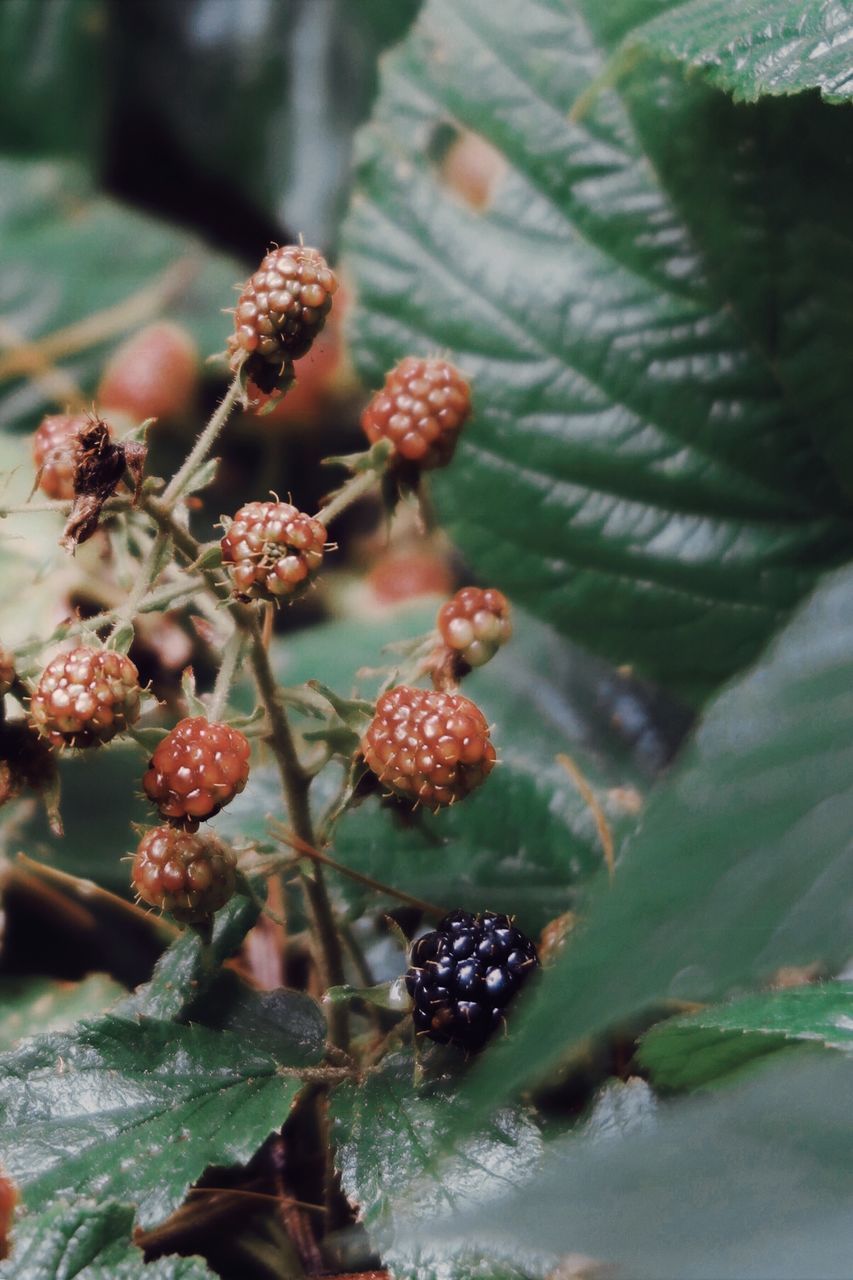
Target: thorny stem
(295,781)
(307,851)
(204,443)
(358,486)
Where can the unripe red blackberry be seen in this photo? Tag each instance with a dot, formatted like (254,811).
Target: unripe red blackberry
(197,769)
(55,450)
(273,550)
(7,671)
(429,746)
(475,623)
(281,310)
(421,410)
(86,697)
(463,975)
(154,374)
(190,876)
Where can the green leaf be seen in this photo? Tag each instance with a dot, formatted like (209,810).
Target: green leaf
(287,1024)
(743,862)
(134,1111)
(55,236)
(760,47)
(750,1183)
(187,968)
(526,841)
(686,1052)
(387,1135)
(53,77)
(88,1240)
(652,307)
(33,1005)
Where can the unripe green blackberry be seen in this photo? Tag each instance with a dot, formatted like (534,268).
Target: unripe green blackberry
(86,697)
(189,875)
(198,768)
(464,974)
(281,310)
(273,550)
(475,623)
(428,745)
(421,410)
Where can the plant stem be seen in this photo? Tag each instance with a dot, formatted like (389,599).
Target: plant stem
(307,851)
(225,674)
(295,781)
(149,570)
(358,486)
(203,444)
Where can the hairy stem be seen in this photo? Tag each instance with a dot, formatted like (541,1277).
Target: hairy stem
(225,675)
(203,444)
(358,486)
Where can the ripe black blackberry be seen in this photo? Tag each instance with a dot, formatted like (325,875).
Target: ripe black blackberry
(463,975)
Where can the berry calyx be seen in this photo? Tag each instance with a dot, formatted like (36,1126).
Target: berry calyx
(86,697)
(56,447)
(429,746)
(463,975)
(196,770)
(189,875)
(281,310)
(421,410)
(273,550)
(7,671)
(475,623)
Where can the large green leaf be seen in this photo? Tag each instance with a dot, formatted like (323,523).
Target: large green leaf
(689,1051)
(743,863)
(52,76)
(134,1111)
(756,47)
(56,237)
(753,1183)
(651,307)
(527,841)
(88,1241)
(387,1134)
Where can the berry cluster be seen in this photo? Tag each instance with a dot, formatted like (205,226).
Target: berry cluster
(463,975)
(191,876)
(86,697)
(421,410)
(196,770)
(281,310)
(428,746)
(273,550)
(475,623)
